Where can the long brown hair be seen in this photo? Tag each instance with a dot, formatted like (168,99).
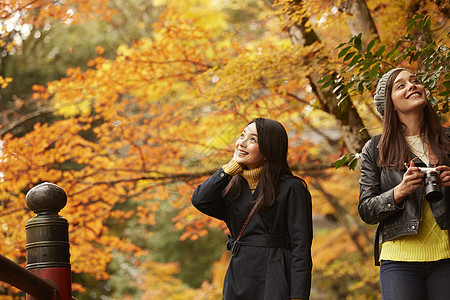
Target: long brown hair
(394,150)
(273,144)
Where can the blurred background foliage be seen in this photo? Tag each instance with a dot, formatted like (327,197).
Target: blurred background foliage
(129,105)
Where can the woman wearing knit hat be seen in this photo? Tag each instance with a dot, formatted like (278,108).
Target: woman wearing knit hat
(410,205)
(268,213)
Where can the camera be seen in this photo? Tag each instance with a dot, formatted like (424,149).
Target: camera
(433,189)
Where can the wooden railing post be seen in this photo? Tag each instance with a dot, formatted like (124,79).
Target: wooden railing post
(48,238)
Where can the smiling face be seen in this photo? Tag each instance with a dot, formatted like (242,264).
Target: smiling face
(246,149)
(408,94)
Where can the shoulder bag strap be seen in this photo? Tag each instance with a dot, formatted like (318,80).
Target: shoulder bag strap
(248,219)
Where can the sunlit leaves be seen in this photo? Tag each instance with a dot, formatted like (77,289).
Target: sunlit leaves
(4,82)
(128,125)
(292,12)
(39,14)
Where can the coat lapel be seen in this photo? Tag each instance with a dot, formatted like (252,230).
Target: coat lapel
(256,217)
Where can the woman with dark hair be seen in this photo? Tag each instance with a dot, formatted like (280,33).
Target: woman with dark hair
(268,213)
(404,188)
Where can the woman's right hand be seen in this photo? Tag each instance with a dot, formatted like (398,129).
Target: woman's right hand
(412,180)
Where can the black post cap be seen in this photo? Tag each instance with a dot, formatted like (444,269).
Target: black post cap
(46,198)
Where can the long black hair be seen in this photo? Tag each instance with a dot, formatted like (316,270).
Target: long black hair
(273,144)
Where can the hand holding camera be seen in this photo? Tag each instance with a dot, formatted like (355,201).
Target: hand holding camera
(434,180)
(444,175)
(412,180)
(433,189)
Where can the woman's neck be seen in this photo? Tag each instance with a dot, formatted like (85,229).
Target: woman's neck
(252,176)
(412,123)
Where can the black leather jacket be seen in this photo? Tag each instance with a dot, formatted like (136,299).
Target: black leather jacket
(376,199)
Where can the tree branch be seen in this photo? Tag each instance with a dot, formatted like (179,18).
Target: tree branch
(12,125)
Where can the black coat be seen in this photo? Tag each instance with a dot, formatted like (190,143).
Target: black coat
(264,272)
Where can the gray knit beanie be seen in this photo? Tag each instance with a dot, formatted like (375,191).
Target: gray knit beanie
(380,95)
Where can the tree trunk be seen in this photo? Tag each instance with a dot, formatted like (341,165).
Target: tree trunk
(358,18)
(347,117)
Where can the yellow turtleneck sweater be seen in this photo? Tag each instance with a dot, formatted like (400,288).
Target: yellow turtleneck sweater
(252,176)
(430,243)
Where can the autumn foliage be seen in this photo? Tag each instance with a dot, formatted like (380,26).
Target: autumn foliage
(147,126)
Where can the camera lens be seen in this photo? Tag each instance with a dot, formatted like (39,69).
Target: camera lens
(433,189)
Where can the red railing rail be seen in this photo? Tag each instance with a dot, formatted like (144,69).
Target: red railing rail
(28,282)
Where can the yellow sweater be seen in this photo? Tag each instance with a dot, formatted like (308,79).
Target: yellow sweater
(430,243)
(252,176)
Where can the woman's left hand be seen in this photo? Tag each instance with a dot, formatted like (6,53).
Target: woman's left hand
(444,175)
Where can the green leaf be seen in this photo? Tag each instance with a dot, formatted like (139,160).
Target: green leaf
(324,78)
(419,25)
(374,70)
(358,43)
(415,57)
(360,87)
(369,47)
(444,93)
(349,55)
(366,74)
(340,45)
(355,60)
(366,66)
(394,55)
(327,84)
(353,163)
(344,51)
(446,84)
(341,161)
(389,53)
(380,51)
(398,58)
(348,86)
(349,159)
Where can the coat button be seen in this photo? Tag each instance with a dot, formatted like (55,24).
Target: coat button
(389,205)
(222,175)
(413,227)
